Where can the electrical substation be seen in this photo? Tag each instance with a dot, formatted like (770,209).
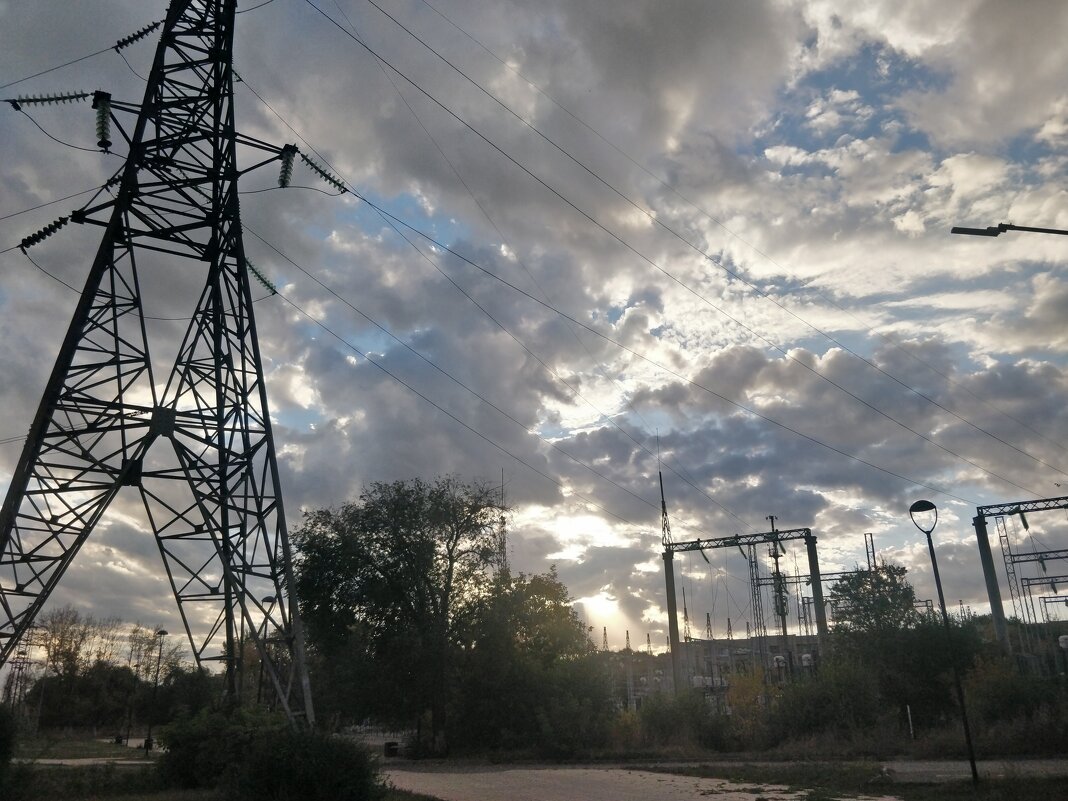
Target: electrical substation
(707,663)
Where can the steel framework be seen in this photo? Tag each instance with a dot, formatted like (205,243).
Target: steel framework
(997,609)
(210,490)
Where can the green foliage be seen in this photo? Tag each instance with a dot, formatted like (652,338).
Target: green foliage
(256,756)
(997,693)
(683,720)
(385,584)
(843,697)
(7,741)
(575,711)
(874,601)
(522,643)
(28,782)
(287,766)
(199,750)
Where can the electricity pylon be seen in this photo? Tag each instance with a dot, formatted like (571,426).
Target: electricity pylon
(198,447)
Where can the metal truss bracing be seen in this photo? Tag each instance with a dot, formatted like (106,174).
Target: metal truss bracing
(1019,609)
(199,448)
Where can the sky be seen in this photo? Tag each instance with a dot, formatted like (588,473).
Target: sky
(601,239)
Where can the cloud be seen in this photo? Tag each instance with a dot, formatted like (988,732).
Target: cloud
(754,202)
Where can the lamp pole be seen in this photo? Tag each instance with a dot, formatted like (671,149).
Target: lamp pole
(924,516)
(1000,228)
(160,635)
(268,601)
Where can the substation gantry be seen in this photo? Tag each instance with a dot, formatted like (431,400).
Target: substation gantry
(198,448)
(750,542)
(999,512)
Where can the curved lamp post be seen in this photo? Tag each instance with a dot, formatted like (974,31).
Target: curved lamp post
(924,516)
(160,635)
(268,601)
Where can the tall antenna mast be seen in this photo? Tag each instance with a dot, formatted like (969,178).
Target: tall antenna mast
(199,451)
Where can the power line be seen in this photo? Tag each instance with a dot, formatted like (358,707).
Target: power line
(453,417)
(653,362)
(606,417)
(526,428)
(656,266)
(708,215)
(392,225)
(732,273)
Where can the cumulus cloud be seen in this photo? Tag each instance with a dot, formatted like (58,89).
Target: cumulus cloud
(735,253)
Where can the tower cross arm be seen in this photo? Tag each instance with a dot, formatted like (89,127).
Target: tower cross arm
(739,540)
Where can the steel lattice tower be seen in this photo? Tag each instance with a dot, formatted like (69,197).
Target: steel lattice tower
(198,447)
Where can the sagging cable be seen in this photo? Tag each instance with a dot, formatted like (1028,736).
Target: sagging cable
(335,182)
(43,234)
(102,104)
(41,100)
(285,173)
(260,276)
(126,41)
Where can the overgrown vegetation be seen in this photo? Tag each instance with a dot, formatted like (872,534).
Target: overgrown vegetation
(257,756)
(415,622)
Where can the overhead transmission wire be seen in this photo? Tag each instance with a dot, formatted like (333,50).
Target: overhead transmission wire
(548,306)
(392,223)
(708,215)
(642,256)
(738,405)
(734,274)
(334,334)
(117,47)
(536,300)
(742,407)
(443,371)
(366,357)
(604,416)
(663,270)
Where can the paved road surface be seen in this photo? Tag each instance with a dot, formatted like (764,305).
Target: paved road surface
(458,782)
(577,784)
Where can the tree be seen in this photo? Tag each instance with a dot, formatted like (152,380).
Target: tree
(873,601)
(523,667)
(909,654)
(385,584)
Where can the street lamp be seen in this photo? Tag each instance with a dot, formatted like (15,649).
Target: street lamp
(924,516)
(997,230)
(268,601)
(160,635)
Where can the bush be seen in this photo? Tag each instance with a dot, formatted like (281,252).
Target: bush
(7,741)
(287,765)
(683,720)
(199,750)
(843,697)
(256,756)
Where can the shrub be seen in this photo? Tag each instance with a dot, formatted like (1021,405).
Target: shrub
(843,697)
(7,741)
(683,720)
(287,765)
(256,756)
(199,750)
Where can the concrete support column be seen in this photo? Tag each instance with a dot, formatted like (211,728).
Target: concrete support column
(993,592)
(673,621)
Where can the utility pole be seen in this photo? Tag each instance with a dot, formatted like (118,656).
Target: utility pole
(197,446)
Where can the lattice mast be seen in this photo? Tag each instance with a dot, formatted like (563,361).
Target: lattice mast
(211,491)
